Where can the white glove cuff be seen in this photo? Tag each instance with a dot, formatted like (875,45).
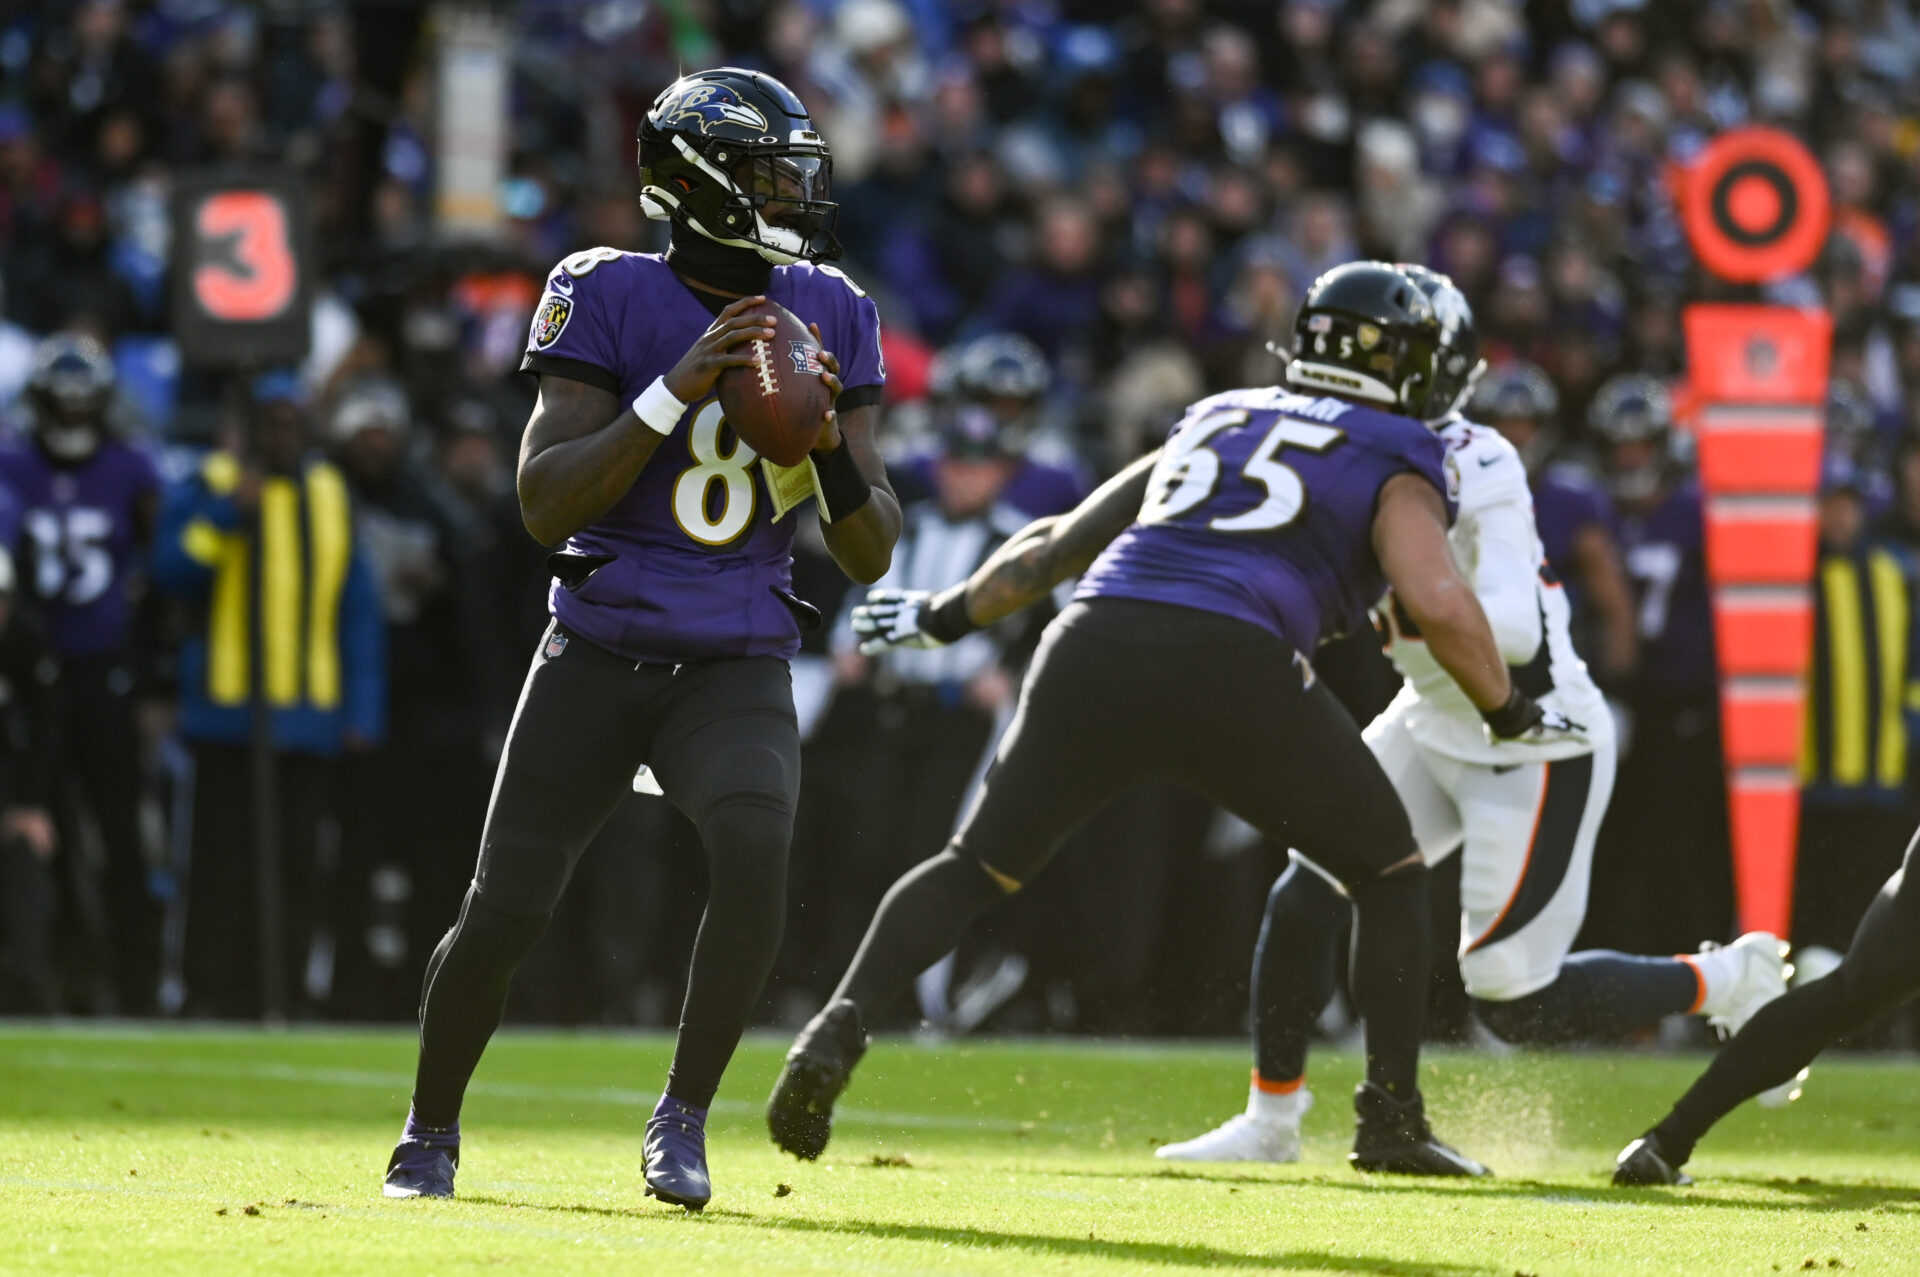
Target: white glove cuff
(657,408)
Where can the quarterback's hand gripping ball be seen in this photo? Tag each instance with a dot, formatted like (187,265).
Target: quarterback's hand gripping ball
(778,401)
(892,618)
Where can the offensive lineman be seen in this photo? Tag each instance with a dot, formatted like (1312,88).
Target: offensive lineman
(1523,816)
(1269,521)
(673,612)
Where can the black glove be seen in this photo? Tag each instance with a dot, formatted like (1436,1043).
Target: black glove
(1525,719)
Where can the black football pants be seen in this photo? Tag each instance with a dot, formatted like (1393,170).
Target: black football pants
(1881,971)
(1123,692)
(722,740)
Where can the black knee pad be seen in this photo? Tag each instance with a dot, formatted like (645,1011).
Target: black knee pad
(512,934)
(747,774)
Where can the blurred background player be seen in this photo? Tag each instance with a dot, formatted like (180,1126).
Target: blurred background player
(1662,878)
(674,615)
(1572,514)
(1210,577)
(1522,815)
(87,504)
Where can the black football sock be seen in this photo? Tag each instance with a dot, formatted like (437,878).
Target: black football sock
(739,938)
(922,918)
(1390,969)
(1295,969)
(460,1006)
(1780,1040)
(1598,994)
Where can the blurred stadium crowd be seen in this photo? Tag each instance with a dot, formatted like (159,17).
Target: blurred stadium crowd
(1076,217)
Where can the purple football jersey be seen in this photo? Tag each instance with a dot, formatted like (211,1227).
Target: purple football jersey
(1665,556)
(80,537)
(697,565)
(1565,500)
(1261,508)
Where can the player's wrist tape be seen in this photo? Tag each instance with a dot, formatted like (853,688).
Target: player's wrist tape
(1513,718)
(658,408)
(944,618)
(843,489)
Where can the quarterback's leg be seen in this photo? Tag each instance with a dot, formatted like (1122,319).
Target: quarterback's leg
(728,755)
(569,758)
(1296,961)
(1074,742)
(1881,970)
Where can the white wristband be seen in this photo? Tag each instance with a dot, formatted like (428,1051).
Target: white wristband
(657,408)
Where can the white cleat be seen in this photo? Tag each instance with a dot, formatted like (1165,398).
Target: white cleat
(1755,972)
(1271,1135)
(1752,971)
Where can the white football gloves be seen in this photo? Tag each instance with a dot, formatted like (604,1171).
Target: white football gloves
(892,618)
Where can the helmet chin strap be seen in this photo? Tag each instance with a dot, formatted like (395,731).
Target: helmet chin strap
(733,270)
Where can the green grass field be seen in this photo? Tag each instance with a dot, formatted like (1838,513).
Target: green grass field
(127,1151)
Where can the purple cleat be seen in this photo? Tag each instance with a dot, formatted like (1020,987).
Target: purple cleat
(424,1161)
(676,1154)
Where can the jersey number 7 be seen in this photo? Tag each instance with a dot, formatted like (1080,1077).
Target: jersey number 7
(1188,473)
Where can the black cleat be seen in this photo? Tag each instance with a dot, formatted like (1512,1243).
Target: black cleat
(1393,1139)
(800,1113)
(1644,1163)
(420,1169)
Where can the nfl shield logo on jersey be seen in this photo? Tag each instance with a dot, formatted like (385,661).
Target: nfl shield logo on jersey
(550,319)
(556,644)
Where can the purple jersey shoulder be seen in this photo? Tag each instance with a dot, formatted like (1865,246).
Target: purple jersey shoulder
(1262,507)
(698,568)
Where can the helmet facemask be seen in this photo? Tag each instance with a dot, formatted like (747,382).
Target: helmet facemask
(770,196)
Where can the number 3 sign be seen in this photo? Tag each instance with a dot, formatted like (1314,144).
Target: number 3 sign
(242,264)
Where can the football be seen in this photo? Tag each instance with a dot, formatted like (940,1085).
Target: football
(778,403)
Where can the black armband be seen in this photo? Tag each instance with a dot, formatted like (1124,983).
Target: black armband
(944,616)
(1515,718)
(843,489)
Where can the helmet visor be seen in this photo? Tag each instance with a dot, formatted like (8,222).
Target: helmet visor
(777,183)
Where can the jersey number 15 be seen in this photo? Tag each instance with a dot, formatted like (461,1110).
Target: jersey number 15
(1188,473)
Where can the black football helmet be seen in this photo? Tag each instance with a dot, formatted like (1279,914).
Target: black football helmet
(1632,409)
(68,394)
(1367,332)
(723,151)
(1460,364)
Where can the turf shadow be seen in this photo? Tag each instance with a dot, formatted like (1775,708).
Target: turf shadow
(1808,1194)
(1167,1253)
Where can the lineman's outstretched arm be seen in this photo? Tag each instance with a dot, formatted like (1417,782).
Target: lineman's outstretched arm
(1410,540)
(1017,575)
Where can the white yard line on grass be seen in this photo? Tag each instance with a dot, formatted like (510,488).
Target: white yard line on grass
(400,1084)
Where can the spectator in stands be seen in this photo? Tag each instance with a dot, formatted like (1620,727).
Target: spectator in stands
(284,668)
(1856,810)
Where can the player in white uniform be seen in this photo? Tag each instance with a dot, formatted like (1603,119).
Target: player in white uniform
(1524,817)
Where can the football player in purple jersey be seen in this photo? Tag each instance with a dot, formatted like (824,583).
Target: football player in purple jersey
(88,501)
(673,609)
(1271,519)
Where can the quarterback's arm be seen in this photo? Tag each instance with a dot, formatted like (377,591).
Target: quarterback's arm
(1410,540)
(581,452)
(1506,567)
(1047,551)
(583,449)
(862,541)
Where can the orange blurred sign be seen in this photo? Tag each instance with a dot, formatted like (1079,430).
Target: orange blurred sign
(1758,354)
(1755,205)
